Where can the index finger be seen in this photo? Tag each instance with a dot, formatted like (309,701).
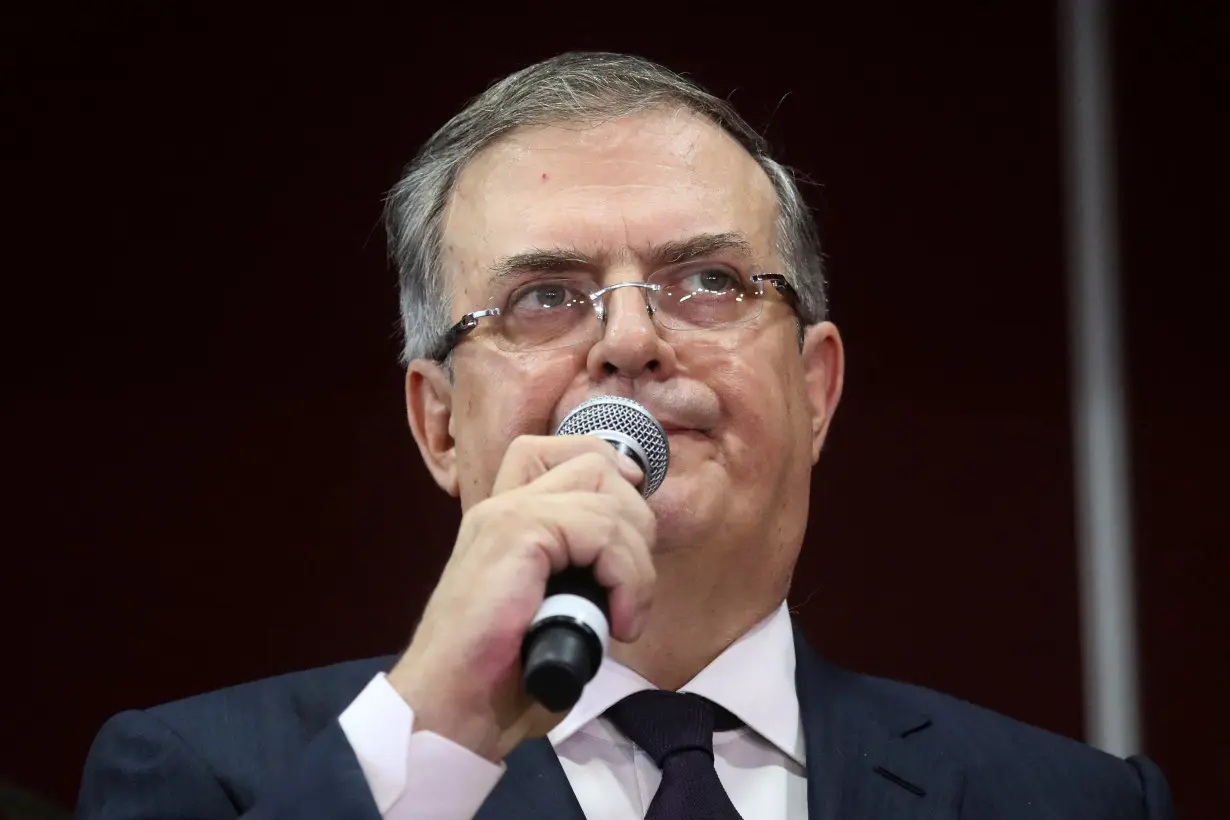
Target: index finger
(529,457)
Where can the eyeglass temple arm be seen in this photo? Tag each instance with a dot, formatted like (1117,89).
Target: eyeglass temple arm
(453,335)
(786,291)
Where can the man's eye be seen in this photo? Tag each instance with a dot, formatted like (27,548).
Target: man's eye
(710,280)
(545,296)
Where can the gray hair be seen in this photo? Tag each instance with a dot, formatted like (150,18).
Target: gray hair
(573,87)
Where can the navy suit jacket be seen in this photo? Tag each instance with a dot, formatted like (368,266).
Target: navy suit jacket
(876,750)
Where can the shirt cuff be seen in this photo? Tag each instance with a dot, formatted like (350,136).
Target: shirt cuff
(413,775)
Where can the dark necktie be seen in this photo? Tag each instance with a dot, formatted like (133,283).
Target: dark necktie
(676,730)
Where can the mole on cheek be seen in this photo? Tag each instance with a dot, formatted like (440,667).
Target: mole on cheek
(544,177)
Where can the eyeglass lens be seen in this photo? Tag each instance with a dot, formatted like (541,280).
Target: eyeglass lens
(559,312)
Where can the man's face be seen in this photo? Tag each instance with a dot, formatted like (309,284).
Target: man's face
(745,411)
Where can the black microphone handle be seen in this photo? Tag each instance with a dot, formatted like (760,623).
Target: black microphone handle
(563,647)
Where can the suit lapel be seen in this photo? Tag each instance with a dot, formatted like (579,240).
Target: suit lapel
(533,788)
(868,757)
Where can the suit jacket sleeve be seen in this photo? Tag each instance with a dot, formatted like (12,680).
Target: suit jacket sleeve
(140,768)
(1154,789)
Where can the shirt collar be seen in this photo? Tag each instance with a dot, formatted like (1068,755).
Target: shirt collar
(753,678)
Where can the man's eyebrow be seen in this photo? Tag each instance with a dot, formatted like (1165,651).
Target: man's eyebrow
(542,260)
(562,260)
(698,247)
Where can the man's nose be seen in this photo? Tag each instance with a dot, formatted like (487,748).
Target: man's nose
(631,344)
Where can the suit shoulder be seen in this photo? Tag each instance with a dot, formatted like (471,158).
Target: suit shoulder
(222,748)
(1010,764)
(991,742)
(300,702)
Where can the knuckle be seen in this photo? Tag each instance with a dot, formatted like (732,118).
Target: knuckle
(643,519)
(520,447)
(473,523)
(499,513)
(611,532)
(486,507)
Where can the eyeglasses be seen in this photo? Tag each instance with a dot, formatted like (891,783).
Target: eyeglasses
(557,312)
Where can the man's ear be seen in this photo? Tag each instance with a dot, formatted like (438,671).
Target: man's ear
(824,369)
(429,408)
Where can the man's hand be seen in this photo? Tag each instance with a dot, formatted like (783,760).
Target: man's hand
(558,501)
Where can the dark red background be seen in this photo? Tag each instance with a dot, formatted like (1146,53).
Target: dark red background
(208,475)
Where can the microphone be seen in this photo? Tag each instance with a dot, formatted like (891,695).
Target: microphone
(564,645)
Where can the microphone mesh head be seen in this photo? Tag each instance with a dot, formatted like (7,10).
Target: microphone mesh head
(624,416)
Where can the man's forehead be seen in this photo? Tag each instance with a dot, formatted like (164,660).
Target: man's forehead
(673,136)
(636,182)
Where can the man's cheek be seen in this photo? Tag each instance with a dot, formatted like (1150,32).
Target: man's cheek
(528,415)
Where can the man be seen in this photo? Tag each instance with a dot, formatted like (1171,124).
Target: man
(596,225)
